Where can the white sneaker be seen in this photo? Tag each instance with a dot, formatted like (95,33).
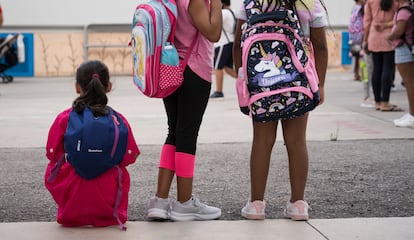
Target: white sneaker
(254,210)
(159,208)
(193,209)
(367,103)
(297,211)
(405,121)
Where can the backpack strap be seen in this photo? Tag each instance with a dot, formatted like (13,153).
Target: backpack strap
(118,200)
(55,170)
(234,28)
(190,50)
(234,17)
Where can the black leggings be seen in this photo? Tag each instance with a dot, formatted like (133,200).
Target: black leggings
(185,109)
(382,75)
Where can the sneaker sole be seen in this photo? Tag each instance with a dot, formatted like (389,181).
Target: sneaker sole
(253,216)
(157,214)
(297,217)
(191,216)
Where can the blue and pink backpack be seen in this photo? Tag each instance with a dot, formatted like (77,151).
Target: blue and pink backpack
(158,70)
(278,73)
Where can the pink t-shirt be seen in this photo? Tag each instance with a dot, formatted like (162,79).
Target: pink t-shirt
(373,15)
(406,16)
(201,59)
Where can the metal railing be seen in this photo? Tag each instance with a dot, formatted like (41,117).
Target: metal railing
(103,28)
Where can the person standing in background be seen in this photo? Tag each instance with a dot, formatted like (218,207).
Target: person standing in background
(356,34)
(401,38)
(223,49)
(378,21)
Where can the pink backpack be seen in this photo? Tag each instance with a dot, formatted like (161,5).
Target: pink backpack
(356,25)
(157,70)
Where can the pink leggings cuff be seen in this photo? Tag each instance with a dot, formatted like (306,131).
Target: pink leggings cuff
(184,164)
(167,158)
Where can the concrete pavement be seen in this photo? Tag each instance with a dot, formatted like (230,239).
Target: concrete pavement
(30,104)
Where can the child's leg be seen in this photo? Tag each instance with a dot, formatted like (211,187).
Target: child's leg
(407,73)
(166,170)
(294,133)
(364,78)
(357,77)
(264,136)
(370,69)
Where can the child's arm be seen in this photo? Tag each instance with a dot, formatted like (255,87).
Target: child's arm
(132,151)
(398,31)
(208,22)
(318,39)
(237,46)
(54,145)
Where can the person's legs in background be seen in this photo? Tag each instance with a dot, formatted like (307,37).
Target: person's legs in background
(223,63)
(218,71)
(388,72)
(357,60)
(404,61)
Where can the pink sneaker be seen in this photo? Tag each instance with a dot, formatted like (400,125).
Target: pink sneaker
(254,210)
(297,211)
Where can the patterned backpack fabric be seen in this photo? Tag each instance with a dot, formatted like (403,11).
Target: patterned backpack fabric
(93,145)
(356,25)
(157,70)
(277,64)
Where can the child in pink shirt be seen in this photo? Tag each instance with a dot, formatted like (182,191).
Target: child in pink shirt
(200,21)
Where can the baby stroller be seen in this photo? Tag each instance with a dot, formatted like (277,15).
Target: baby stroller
(8,56)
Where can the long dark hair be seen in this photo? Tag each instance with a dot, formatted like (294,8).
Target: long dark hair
(290,4)
(386,5)
(93,79)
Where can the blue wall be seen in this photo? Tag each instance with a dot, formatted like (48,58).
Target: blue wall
(25,69)
(345,58)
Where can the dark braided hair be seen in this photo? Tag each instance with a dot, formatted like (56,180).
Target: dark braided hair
(93,79)
(290,4)
(386,5)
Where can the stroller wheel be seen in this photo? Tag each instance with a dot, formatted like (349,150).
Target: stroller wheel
(9,78)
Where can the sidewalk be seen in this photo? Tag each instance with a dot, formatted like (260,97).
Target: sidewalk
(30,105)
(315,229)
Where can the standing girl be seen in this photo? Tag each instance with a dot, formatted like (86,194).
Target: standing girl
(199,20)
(378,21)
(402,39)
(312,16)
(102,200)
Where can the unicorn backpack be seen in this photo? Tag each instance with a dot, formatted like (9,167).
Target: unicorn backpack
(277,79)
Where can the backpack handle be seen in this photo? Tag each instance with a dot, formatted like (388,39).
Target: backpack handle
(263,17)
